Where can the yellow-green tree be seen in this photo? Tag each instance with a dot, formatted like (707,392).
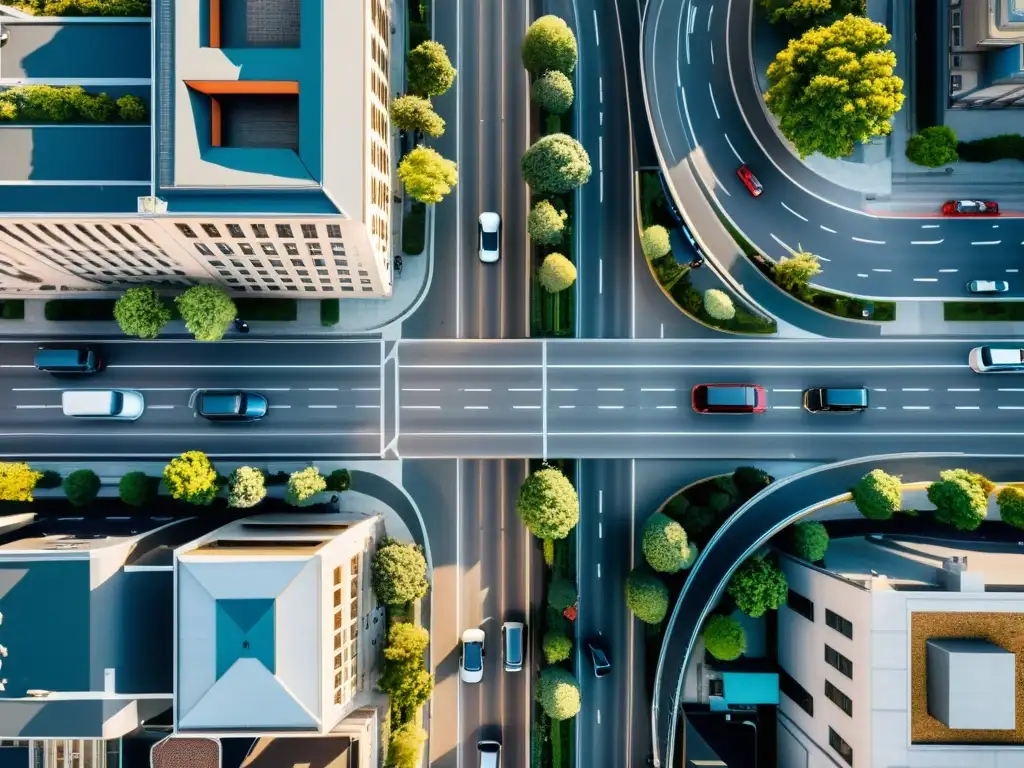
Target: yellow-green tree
(427,176)
(834,86)
(191,477)
(17,480)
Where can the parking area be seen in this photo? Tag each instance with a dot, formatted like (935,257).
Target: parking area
(101,49)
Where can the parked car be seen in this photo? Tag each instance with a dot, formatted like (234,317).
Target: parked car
(970,208)
(599,659)
(749,181)
(988,286)
(471,661)
(729,398)
(489,228)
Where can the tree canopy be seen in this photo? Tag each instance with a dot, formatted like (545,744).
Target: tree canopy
(406,746)
(81,487)
(413,114)
(796,270)
(427,176)
(549,45)
(191,477)
(1011,506)
(561,593)
(207,310)
(137,489)
(664,543)
(804,14)
(246,488)
(548,504)
(545,224)
(718,304)
(141,312)
(558,693)
(428,69)
(933,146)
(808,539)
(960,498)
(405,677)
(553,92)
(557,647)
(556,273)
(17,480)
(758,586)
(646,595)
(398,572)
(555,164)
(303,485)
(655,243)
(724,637)
(749,481)
(834,86)
(877,495)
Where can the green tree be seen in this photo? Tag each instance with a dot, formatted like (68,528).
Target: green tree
(877,495)
(132,109)
(549,45)
(49,480)
(548,504)
(691,556)
(794,272)
(303,485)
(557,647)
(191,477)
(750,481)
(1011,506)
(555,164)
(834,86)
(655,243)
(141,312)
(414,114)
(339,480)
(406,746)
(556,273)
(398,572)
(558,693)
(207,310)
(561,593)
(664,543)
(804,14)
(428,69)
(545,224)
(757,587)
(724,637)
(246,488)
(137,489)
(808,540)
(405,678)
(553,92)
(646,596)
(17,480)
(933,146)
(718,304)
(960,498)
(427,176)
(81,487)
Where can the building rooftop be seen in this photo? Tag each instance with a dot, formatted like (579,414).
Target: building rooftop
(971,683)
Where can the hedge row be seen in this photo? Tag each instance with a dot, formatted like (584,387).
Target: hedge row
(68,104)
(130,8)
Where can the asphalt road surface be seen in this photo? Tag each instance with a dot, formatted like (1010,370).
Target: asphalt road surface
(705,106)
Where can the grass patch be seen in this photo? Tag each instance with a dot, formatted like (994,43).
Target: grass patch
(330,312)
(12,309)
(414,229)
(79,310)
(990,311)
(278,310)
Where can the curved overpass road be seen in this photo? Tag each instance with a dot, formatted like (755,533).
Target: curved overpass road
(705,107)
(754,524)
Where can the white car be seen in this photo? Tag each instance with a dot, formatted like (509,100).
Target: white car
(489,228)
(988,286)
(471,661)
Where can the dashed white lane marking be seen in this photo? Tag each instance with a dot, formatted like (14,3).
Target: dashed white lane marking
(526,407)
(525,389)
(599,717)
(610,407)
(1011,407)
(926,242)
(879,269)
(564,389)
(368,406)
(878,407)
(367,389)
(567,407)
(597,37)
(711,92)
(610,389)
(1010,389)
(949,270)
(666,407)
(787,390)
(323,389)
(926,279)
(930,226)
(476,390)
(917,407)
(710,12)
(881,389)
(720,185)
(861,274)
(963,389)
(967,407)
(321,406)
(777,240)
(986,242)
(869,242)
(160,407)
(474,407)
(802,218)
(733,148)
(280,406)
(712,46)
(1012,270)
(657,389)
(422,407)
(785,407)
(827,229)
(916,389)
(411,389)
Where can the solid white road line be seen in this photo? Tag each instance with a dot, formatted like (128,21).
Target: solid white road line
(870,242)
(802,218)
(827,229)
(986,242)
(711,92)
(926,242)
(733,148)
(777,240)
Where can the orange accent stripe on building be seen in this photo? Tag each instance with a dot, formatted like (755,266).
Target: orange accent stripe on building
(236,87)
(214,123)
(215,23)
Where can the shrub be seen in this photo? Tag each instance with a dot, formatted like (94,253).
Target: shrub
(330,312)
(558,693)
(750,481)
(137,489)
(1006,146)
(339,480)
(808,540)
(191,477)
(691,556)
(1011,506)
(303,485)
(556,273)
(718,304)
(655,242)
(141,312)
(398,572)
(793,273)
(960,498)
(877,495)
(411,114)
(555,164)
(724,638)
(132,109)
(553,92)
(405,747)
(91,7)
(17,480)
(246,488)
(427,176)
(429,71)
(64,104)
(664,543)
(548,504)
(50,479)
(557,647)
(546,224)
(207,310)
(561,593)
(405,678)
(81,487)
(933,146)
(646,596)
(757,587)
(549,45)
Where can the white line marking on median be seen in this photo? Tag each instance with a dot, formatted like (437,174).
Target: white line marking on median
(986,242)
(802,218)
(827,229)
(733,148)
(869,242)
(711,92)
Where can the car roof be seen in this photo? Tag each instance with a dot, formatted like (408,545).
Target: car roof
(490,219)
(473,635)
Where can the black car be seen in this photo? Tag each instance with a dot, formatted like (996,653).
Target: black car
(235,405)
(602,666)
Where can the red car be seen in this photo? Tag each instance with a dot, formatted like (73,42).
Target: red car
(749,181)
(970,208)
(729,398)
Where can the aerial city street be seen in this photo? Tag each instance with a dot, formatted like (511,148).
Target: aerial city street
(481,383)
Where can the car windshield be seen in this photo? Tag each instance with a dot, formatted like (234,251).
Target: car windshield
(472,657)
(490,241)
(600,660)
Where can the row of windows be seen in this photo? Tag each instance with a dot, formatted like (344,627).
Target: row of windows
(87,248)
(796,692)
(838,698)
(269,249)
(378,11)
(844,750)
(379,53)
(378,121)
(840,662)
(838,623)
(379,86)
(260,232)
(800,604)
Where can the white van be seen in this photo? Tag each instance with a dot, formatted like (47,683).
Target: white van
(996,360)
(490,754)
(103,403)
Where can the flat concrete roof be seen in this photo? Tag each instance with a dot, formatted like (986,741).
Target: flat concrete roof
(78,50)
(75,153)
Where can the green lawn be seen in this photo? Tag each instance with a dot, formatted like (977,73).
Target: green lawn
(983,310)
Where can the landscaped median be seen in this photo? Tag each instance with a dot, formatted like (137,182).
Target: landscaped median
(983,311)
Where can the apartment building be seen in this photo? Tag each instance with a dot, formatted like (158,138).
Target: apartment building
(266,167)
(902,653)
(986,53)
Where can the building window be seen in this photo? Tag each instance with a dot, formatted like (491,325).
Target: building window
(210,230)
(838,623)
(800,604)
(309,231)
(235,231)
(956,28)
(338,249)
(269,249)
(334,231)
(291,249)
(259,230)
(836,742)
(224,248)
(246,249)
(203,249)
(956,83)
(284,231)
(187,231)
(838,698)
(796,692)
(314,249)
(840,662)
